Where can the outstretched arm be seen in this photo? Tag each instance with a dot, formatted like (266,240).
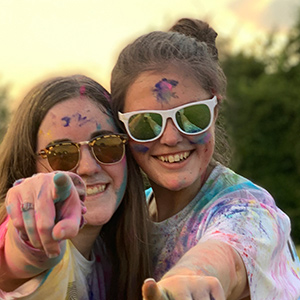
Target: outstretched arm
(210,270)
(43,211)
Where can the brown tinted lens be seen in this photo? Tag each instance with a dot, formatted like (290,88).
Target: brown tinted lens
(63,157)
(108,149)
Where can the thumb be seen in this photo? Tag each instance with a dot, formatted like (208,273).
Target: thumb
(151,291)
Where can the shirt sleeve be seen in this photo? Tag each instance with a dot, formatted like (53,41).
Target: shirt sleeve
(259,231)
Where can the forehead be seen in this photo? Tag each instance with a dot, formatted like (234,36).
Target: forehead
(75,118)
(158,90)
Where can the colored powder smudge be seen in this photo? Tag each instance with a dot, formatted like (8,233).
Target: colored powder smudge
(111,123)
(120,192)
(140,148)
(81,120)
(202,139)
(67,120)
(8,209)
(98,126)
(82,90)
(107,96)
(163,90)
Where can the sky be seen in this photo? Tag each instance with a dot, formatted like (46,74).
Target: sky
(45,38)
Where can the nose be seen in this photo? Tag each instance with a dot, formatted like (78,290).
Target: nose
(171,135)
(87,163)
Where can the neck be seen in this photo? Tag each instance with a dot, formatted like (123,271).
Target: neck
(85,239)
(166,203)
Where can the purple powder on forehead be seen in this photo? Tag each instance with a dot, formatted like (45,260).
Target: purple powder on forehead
(163,90)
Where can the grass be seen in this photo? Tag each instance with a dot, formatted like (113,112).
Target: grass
(298,250)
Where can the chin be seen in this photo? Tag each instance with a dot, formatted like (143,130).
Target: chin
(97,219)
(175,185)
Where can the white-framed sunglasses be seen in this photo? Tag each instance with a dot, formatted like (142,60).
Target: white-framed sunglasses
(190,119)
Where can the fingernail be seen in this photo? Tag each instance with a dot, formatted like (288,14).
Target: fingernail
(52,255)
(60,237)
(149,280)
(83,210)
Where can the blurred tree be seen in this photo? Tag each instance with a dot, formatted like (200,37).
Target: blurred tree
(4,111)
(263,120)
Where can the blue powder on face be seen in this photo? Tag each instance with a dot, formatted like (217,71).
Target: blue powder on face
(67,120)
(140,148)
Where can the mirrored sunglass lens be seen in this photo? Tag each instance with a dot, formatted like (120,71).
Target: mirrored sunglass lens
(193,119)
(108,150)
(145,126)
(63,157)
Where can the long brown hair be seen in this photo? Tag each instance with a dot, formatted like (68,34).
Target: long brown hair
(189,46)
(125,235)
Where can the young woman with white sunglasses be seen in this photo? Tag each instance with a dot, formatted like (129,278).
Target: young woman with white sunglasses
(215,234)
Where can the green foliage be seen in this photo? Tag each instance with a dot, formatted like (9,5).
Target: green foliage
(263,121)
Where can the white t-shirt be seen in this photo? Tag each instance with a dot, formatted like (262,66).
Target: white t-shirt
(232,209)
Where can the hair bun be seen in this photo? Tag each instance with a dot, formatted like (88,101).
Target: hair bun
(199,30)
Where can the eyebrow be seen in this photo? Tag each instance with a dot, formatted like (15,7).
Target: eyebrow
(93,135)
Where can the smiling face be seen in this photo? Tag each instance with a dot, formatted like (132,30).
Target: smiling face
(77,120)
(175,161)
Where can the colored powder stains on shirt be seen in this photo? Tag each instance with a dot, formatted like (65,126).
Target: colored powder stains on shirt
(232,209)
(163,90)
(32,269)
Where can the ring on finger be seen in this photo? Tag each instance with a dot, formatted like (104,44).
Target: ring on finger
(26,206)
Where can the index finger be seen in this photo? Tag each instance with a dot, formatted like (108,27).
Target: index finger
(151,291)
(62,184)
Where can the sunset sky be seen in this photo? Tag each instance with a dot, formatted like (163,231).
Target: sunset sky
(42,38)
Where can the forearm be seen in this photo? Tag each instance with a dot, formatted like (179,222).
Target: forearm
(21,262)
(215,259)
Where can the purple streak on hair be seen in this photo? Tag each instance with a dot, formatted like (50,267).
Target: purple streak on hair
(82,90)
(107,96)
(163,90)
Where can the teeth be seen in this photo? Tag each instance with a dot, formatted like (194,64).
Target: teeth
(174,158)
(95,190)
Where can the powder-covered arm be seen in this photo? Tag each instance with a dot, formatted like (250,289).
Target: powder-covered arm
(32,240)
(210,270)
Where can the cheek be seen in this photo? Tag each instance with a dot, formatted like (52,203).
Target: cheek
(42,166)
(120,191)
(138,148)
(202,139)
